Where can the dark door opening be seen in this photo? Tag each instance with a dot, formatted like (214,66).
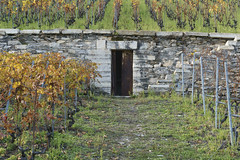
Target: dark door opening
(122,72)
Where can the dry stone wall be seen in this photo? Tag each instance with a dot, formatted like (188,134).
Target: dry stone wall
(156,55)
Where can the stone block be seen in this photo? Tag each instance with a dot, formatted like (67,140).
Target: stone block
(146,33)
(41,51)
(142,65)
(35,31)
(103,32)
(135,33)
(144,57)
(169,77)
(89,31)
(165,80)
(237,38)
(180,71)
(223,35)
(125,32)
(178,64)
(196,34)
(14,42)
(159,87)
(101,61)
(72,31)
(238,44)
(156,66)
(144,46)
(104,67)
(225,48)
(101,44)
(71,51)
(123,45)
(2,33)
(98,56)
(231,43)
(153,80)
(10,31)
(169,34)
(99,52)
(51,31)
(168,63)
(61,41)
(54,45)
(21,47)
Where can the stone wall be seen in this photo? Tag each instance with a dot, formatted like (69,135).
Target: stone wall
(156,55)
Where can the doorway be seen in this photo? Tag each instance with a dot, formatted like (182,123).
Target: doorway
(122,72)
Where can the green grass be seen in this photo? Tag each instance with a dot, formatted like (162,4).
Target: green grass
(126,22)
(154,127)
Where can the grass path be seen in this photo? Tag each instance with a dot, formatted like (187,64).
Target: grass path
(141,128)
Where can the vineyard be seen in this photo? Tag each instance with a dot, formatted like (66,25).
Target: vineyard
(164,15)
(215,76)
(40,95)
(48,111)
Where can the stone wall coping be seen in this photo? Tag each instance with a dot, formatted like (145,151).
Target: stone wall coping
(103,31)
(35,31)
(11,31)
(169,34)
(51,31)
(121,33)
(196,34)
(72,31)
(135,33)
(223,35)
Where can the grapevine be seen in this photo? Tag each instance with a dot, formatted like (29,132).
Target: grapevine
(37,96)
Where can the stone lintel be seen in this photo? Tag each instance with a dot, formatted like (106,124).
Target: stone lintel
(122,45)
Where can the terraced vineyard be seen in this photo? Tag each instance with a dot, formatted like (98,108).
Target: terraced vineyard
(165,15)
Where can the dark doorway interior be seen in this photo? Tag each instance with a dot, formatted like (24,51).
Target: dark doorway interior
(122,72)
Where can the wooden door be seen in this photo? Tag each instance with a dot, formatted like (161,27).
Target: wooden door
(127,73)
(122,73)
